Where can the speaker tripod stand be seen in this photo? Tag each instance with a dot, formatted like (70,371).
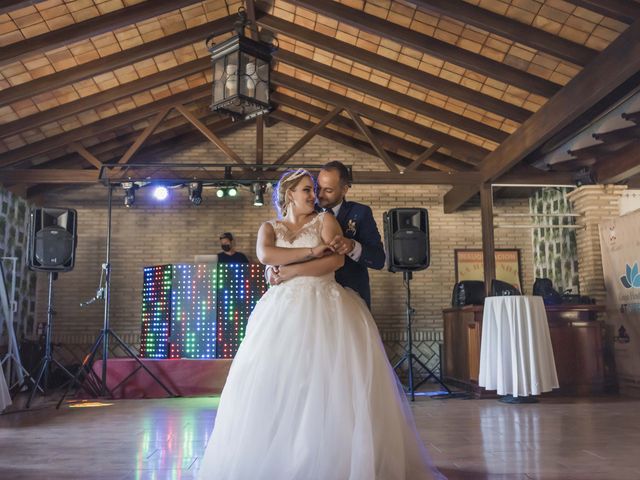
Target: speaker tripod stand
(409,357)
(47,359)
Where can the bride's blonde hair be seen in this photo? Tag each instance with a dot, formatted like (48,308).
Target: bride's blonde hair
(288,181)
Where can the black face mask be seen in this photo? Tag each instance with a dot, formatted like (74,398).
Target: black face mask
(226,248)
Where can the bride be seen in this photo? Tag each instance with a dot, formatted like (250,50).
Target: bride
(310,394)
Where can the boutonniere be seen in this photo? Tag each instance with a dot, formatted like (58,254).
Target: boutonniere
(351,227)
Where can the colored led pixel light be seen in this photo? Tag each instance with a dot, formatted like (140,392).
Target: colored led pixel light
(198,311)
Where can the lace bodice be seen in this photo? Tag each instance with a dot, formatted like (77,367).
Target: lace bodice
(310,235)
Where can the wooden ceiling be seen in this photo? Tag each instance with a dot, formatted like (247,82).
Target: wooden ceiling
(452,91)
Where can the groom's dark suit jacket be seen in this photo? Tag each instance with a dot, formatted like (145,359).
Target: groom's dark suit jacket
(357,222)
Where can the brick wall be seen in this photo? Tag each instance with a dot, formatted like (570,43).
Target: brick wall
(151,234)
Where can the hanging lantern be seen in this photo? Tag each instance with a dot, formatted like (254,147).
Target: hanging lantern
(241,69)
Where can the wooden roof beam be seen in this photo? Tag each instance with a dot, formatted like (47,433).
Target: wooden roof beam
(377,146)
(625,11)
(619,165)
(419,177)
(11,5)
(308,136)
(89,28)
(585,94)
(465,151)
(114,61)
(397,69)
(13,157)
(432,46)
(106,96)
(438,161)
(391,96)
(511,29)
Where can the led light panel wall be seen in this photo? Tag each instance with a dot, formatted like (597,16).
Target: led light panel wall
(202,310)
(193,312)
(156,311)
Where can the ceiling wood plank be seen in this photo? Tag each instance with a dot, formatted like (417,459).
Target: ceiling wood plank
(391,96)
(110,123)
(114,61)
(423,157)
(373,141)
(517,31)
(87,155)
(432,46)
(308,136)
(89,28)
(144,135)
(397,69)
(617,64)
(620,165)
(212,137)
(106,96)
(465,151)
(439,161)
(624,11)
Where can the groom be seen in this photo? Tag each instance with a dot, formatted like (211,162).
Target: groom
(361,243)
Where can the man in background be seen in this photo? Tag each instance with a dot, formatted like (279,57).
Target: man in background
(229,253)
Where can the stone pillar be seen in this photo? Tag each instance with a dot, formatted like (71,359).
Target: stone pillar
(595,204)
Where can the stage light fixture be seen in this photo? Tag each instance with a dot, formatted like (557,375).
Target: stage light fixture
(232,191)
(195,192)
(129,193)
(160,192)
(258,191)
(220,193)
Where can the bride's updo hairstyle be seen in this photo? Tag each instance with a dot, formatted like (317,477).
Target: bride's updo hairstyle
(289,180)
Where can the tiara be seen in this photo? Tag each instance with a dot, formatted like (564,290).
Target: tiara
(297,174)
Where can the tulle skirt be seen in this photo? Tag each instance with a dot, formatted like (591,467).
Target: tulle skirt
(312,396)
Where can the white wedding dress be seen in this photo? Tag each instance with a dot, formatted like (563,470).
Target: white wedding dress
(311,394)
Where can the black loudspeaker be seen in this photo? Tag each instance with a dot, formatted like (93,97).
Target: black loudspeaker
(52,239)
(406,233)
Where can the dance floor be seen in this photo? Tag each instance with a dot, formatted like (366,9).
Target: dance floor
(557,439)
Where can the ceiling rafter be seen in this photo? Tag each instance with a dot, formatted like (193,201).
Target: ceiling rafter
(114,61)
(11,5)
(391,96)
(13,157)
(377,146)
(308,136)
(432,46)
(620,165)
(423,157)
(511,29)
(397,69)
(419,177)
(625,11)
(617,64)
(89,28)
(465,151)
(439,161)
(106,96)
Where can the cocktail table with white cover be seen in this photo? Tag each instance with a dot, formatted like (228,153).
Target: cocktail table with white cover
(516,356)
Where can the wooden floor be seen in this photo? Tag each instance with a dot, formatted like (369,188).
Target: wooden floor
(561,439)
